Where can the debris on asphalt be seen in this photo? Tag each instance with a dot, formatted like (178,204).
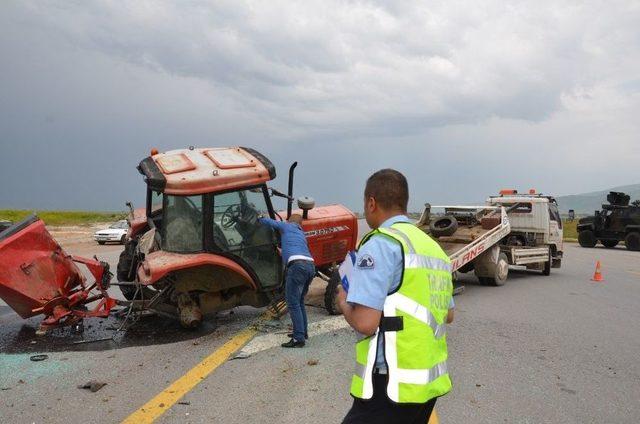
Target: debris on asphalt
(92,341)
(92,385)
(184,403)
(38,358)
(241,355)
(312,362)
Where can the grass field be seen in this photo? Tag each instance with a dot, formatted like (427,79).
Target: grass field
(63,217)
(570,231)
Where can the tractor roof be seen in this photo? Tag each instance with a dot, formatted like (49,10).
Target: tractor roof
(206,170)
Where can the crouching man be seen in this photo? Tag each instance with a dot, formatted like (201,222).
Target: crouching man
(299,272)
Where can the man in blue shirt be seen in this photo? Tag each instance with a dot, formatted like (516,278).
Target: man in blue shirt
(376,273)
(299,272)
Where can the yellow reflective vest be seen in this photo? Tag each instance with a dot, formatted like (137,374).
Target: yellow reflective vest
(412,324)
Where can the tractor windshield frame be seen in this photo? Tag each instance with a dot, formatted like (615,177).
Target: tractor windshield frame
(191,224)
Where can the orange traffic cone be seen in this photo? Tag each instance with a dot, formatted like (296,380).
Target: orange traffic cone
(597,276)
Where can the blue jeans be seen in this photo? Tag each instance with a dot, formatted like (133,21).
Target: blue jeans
(299,276)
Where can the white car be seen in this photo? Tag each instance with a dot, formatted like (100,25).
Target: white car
(117,232)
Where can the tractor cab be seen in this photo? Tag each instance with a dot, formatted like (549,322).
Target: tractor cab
(209,201)
(198,245)
(225,224)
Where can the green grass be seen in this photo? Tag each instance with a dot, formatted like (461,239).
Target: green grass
(569,228)
(63,217)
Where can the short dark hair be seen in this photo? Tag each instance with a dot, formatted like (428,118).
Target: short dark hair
(390,189)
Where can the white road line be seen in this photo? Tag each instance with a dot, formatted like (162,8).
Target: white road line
(271,340)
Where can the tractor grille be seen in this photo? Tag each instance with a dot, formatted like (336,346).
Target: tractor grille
(334,251)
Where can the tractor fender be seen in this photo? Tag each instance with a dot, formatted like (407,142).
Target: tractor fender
(159,264)
(137,223)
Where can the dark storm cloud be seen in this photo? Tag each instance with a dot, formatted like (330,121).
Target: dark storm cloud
(463,97)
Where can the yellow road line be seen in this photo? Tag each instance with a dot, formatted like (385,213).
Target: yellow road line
(433,419)
(157,406)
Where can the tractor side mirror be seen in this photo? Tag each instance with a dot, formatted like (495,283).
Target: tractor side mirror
(306,204)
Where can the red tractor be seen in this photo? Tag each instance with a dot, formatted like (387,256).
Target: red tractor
(198,248)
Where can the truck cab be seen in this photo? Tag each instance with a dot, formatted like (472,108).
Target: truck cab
(535,222)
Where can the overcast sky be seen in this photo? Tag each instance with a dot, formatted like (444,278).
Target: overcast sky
(465,98)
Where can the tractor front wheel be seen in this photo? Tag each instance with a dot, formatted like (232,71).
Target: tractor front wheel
(331,294)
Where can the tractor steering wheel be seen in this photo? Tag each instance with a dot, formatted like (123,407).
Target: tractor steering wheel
(230,216)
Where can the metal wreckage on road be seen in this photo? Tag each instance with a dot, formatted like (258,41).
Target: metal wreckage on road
(197,247)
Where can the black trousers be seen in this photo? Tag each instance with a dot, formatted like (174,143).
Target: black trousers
(379,409)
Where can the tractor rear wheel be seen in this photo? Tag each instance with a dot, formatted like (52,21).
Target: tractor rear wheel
(609,244)
(330,294)
(586,238)
(632,241)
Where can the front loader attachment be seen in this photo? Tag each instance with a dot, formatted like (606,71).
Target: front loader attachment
(38,277)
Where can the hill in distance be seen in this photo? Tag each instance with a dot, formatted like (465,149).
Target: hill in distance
(587,203)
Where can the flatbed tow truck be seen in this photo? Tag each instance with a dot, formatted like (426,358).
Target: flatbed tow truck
(484,239)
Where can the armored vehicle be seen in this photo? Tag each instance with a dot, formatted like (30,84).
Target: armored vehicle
(616,222)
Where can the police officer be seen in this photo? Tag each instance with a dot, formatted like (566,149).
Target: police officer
(399,299)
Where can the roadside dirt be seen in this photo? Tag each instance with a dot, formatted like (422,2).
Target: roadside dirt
(78,239)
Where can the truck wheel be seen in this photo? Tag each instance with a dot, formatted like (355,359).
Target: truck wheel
(101,242)
(632,241)
(546,270)
(443,226)
(500,274)
(586,238)
(330,294)
(610,244)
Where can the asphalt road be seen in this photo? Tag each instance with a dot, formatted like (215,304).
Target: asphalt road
(557,349)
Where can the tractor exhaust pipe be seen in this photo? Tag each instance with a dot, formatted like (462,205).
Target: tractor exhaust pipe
(290,191)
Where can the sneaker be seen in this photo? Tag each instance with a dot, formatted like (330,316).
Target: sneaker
(293,343)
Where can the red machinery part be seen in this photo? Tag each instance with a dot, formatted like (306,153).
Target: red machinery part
(38,277)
